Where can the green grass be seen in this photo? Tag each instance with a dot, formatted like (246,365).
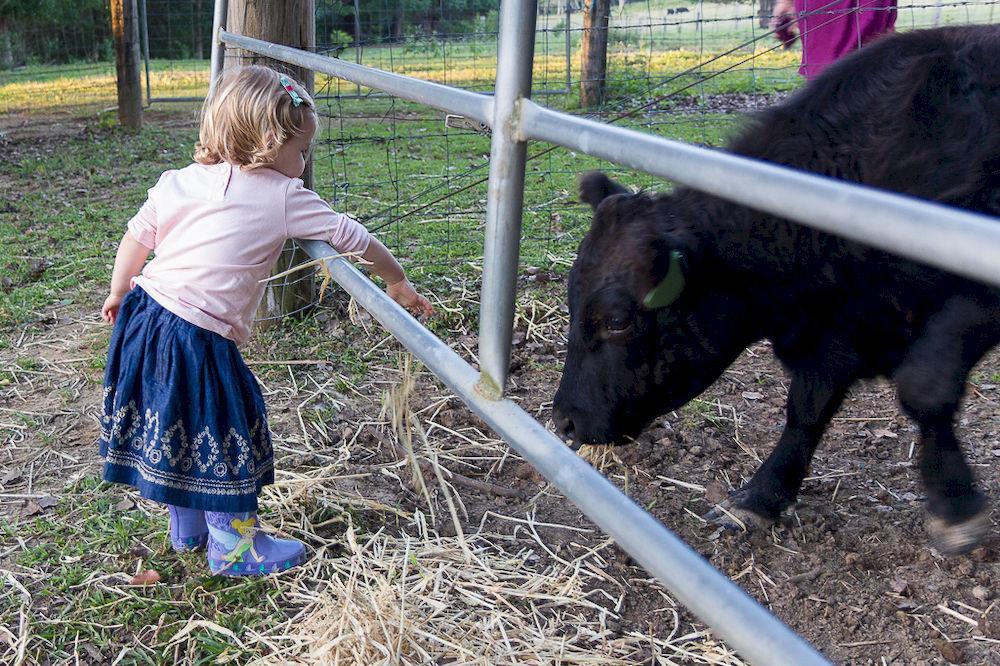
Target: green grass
(386,173)
(980,378)
(81,551)
(699,413)
(59,233)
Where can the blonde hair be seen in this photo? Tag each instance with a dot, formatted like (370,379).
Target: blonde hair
(248,117)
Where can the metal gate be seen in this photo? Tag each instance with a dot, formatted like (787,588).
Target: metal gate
(962,242)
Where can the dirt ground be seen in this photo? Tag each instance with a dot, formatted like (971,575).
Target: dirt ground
(849,567)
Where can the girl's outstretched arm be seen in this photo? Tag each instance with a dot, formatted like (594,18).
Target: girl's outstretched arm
(396,285)
(128,262)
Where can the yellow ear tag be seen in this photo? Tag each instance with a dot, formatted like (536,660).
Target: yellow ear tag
(670,287)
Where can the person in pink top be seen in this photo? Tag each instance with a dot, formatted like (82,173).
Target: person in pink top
(830,29)
(184,419)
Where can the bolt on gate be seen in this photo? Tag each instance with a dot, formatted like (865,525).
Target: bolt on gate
(955,240)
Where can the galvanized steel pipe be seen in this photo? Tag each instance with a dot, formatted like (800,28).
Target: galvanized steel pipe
(505,195)
(219,18)
(445,98)
(950,238)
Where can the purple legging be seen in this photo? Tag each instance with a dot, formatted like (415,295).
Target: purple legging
(830,29)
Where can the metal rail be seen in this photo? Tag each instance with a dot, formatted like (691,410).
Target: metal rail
(219,17)
(731,612)
(505,195)
(144,20)
(444,98)
(949,238)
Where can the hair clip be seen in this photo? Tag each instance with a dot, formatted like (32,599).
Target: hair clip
(290,89)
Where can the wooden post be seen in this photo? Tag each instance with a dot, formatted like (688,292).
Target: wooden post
(198,19)
(125,28)
(596,15)
(291,23)
(766,11)
(6,45)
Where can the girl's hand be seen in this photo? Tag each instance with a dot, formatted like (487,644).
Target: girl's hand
(403,293)
(110,308)
(783,22)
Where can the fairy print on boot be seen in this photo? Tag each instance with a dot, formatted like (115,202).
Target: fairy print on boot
(237,548)
(188,529)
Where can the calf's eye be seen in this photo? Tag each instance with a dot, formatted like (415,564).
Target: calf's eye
(617,324)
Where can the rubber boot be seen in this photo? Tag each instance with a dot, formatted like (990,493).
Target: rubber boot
(236,547)
(188,529)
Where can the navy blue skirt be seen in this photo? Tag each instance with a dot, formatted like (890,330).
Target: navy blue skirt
(184,420)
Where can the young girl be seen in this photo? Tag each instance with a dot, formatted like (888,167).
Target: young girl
(184,420)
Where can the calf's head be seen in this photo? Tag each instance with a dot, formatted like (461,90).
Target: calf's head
(654,319)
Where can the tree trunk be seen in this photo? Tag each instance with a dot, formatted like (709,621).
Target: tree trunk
(6,46)
(125,28)
(96,20)
(399,23)
(766,11)
(291,23)
(595,52)
(199,42)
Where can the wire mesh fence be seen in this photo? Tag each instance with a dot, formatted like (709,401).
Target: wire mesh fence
(687,71)
(61,48)
(64,48)
(176,39)
(60,53)
(417,177)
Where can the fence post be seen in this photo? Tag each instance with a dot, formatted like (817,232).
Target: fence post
(291,23)
(505,194)
(357,40)
(596,15)
(219,18)
(125,28)
(569,48)
(765,13)
(144,23)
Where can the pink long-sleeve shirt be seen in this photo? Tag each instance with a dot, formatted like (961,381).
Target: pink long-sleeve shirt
(217,230)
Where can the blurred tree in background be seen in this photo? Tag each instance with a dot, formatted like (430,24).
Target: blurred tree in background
(66,31)
(54,31)
(394,20)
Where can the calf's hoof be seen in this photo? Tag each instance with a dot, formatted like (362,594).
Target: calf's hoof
(731,515)
(958,538)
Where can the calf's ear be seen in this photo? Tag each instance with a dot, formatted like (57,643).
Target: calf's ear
(595,187)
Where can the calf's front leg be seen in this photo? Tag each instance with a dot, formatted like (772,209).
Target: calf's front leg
(814,396)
